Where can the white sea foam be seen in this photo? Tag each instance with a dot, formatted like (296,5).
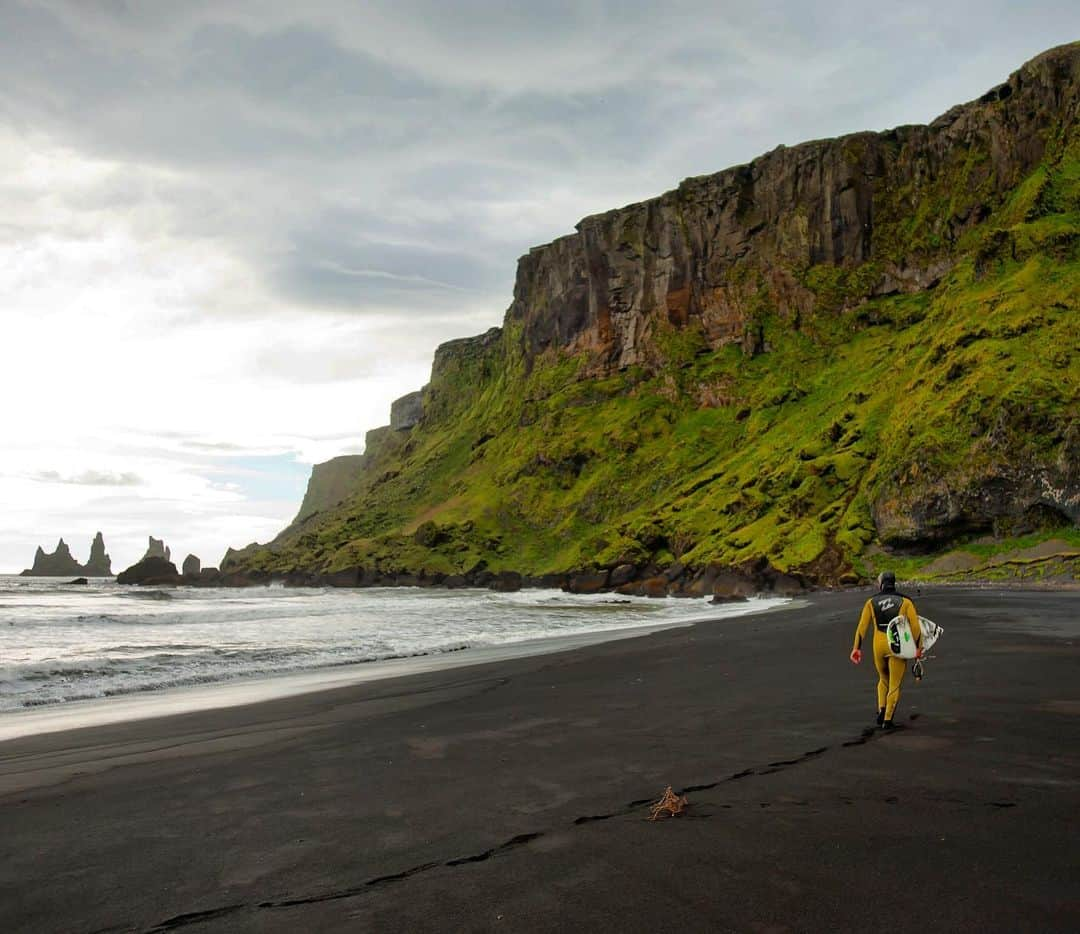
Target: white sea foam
(62,643)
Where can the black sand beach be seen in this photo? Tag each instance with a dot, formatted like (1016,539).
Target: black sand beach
(513,796)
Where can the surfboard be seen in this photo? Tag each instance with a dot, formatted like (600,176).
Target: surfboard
(902,642)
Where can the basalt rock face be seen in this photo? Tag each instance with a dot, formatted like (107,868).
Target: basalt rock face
(723,249)
(60,562)
(406,412)
(330,483)
(1007,495)
(764,379)
(335,480)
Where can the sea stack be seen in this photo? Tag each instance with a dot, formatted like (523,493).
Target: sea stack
(100,564)
(157,549)
(152,570)
(61,563)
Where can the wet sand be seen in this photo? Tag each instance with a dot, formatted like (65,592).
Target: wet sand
(513,795)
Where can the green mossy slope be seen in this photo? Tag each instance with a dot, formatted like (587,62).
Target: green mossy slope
(898,425)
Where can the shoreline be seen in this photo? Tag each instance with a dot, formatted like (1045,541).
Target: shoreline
(246,690)
(514,795)
(810,588)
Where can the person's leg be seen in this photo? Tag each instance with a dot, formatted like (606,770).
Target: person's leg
(897,670)
(881,663)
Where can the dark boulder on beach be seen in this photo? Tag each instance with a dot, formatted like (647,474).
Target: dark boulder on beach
(588,582)
(153,570)
(654,587)
(731,585)
(80,581)
(506,582)
(347,577)
(786,585)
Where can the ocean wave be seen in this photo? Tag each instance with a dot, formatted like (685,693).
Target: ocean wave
(163,646)
(105,642)
(116,678)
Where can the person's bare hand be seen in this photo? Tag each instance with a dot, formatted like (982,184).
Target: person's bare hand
(856,656)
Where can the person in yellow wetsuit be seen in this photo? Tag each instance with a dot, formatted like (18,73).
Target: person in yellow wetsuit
(879,610)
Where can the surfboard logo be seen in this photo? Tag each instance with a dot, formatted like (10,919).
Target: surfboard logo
(894,638)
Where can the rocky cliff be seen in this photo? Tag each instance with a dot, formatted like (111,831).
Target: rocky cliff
(60,562)
(841,347)
(722,250)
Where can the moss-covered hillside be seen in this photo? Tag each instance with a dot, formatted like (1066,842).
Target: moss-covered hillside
(801,411)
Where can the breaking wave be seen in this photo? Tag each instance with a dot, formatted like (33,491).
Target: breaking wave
(63,644)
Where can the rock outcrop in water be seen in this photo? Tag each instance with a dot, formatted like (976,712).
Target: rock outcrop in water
(100,564)
(155,569)
(61,563)
(157,549)
(784,372)
(58,563)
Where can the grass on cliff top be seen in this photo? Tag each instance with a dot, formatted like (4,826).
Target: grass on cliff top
(824,442)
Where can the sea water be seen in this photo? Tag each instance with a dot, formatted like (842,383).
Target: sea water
(61,643)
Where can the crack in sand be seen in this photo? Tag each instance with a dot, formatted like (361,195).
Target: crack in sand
(194,917)
(518,840)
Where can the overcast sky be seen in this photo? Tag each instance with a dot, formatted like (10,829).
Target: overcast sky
(232,232)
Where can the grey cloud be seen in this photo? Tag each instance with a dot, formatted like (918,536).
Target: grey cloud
(328,265)
(359,157)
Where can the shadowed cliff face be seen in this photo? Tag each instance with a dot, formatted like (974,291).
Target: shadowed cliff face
(722,250)
(780,369)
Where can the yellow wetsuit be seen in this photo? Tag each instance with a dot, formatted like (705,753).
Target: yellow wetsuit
(877,612)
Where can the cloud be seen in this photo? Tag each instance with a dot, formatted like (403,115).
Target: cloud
(89,478)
